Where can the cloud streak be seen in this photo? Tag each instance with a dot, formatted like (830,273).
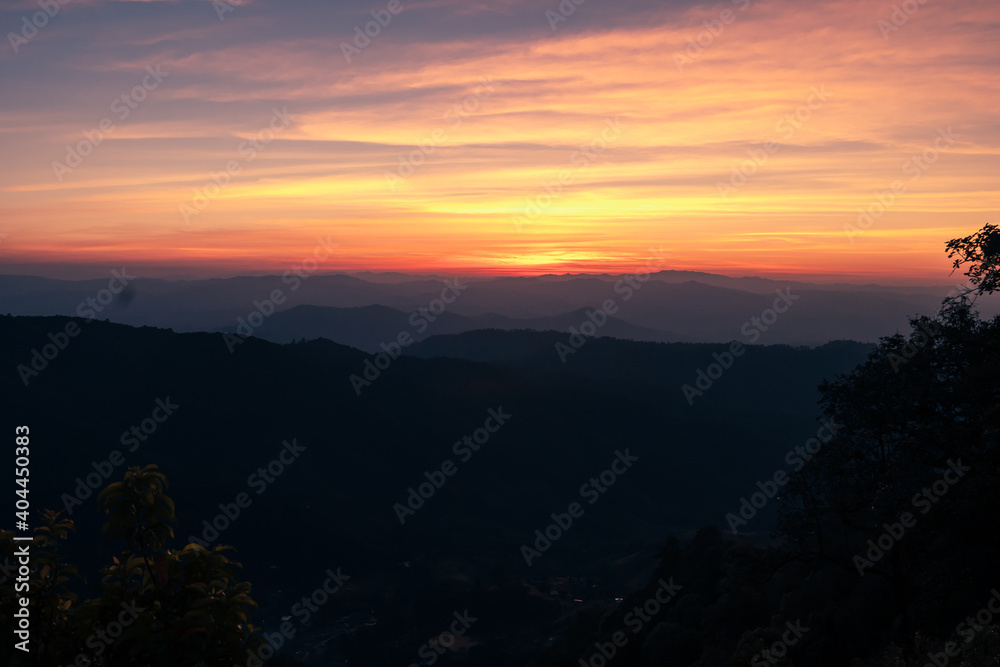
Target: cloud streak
(554,90)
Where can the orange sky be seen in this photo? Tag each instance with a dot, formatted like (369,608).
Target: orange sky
(676,121)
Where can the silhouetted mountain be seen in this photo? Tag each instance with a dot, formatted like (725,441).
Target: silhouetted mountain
(330,445)
(369,327)
(667,307)
(567,422)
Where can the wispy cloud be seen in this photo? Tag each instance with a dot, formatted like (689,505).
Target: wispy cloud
(553,92)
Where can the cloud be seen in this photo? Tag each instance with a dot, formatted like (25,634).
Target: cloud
(553,91)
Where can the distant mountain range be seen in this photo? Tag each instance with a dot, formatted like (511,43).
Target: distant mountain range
(366,310)
(368,327)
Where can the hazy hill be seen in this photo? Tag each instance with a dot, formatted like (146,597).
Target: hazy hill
(568,420)
(685,306)
(368,327)
(335,505)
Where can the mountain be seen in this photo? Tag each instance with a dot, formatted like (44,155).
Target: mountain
(666,306)
(568,419)
(426,477)
(369,327)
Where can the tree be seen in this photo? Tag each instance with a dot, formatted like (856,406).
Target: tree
(904,495)
(157,606)
(982,252)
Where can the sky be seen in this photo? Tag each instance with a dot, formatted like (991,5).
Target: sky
(841,138)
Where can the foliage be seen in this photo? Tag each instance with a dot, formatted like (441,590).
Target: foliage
(922,406)
(157,606)
(982,252)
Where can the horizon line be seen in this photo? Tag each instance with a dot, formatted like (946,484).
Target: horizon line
(83,272)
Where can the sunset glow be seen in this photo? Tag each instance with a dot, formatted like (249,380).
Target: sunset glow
(568,149)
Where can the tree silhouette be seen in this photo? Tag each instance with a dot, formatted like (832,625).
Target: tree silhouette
(156,607)
(982,252)
(918,445)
